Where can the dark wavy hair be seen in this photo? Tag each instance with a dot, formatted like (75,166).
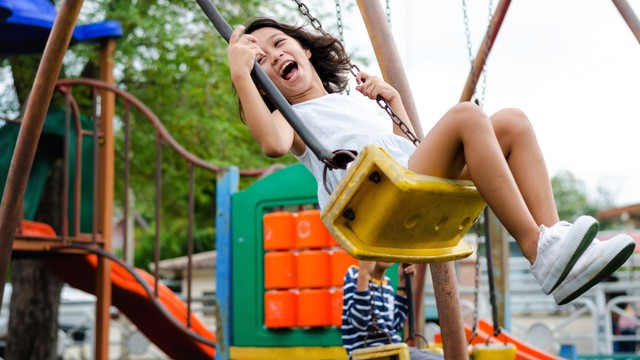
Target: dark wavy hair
(328,55)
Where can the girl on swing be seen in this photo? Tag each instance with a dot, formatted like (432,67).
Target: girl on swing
(499,153)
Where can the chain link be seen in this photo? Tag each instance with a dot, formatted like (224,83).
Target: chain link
(339,17)
(388,11)
(476,288)
(467,33)
(304,10)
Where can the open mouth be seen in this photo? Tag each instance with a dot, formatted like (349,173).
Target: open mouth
(288,70)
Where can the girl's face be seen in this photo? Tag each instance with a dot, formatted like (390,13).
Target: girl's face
(287,64)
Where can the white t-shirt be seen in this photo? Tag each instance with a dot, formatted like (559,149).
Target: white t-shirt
(347,123)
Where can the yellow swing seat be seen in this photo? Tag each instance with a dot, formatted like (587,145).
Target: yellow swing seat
(494,351)
(383,211)
(399,351)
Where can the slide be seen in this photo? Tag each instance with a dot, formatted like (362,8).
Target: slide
(524,350)
(130,297)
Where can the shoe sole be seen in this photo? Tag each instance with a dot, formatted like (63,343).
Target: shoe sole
(609,262)
(577,240)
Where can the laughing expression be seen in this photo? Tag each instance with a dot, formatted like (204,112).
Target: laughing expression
(287,64)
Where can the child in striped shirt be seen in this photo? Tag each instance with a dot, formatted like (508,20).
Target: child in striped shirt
(370,302)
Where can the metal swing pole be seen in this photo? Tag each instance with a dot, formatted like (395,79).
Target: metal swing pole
(629,16)
(442,274)
(260,77)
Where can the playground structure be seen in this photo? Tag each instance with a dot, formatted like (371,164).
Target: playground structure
(113,282)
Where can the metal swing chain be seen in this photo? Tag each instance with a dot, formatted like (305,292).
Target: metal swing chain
(467,32)
(388,11)
(375,329)
(384,105)
(476,288)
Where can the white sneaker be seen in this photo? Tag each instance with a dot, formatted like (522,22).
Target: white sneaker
(559,247)
(600,260)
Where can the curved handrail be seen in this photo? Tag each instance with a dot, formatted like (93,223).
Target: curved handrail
(155,121)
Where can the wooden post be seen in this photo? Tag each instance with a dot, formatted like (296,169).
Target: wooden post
(105,201)
(500,259)
(29,135)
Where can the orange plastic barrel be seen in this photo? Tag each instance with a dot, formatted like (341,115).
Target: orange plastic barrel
(336,307)
(314,308)
(314,269)
(280,270)
(279,230)
(280,309)
(311,232)
(340,262)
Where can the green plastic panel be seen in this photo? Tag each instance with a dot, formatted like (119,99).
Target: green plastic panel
(291,186)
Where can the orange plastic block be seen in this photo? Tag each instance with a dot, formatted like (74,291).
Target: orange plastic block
(314,307)
(340,262)
(33,228)
(314,269)
(311,232)
(333,242)
(280,270)
(336,307)
(280,309)
(279,230)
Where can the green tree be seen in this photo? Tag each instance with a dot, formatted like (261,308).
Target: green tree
(571,196)
(170,58)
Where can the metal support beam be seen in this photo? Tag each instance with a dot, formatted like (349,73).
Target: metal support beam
(389,58)
(31,128)
(629,16)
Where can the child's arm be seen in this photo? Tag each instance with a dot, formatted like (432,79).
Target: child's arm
(271,130)
(372,86)
(357,303)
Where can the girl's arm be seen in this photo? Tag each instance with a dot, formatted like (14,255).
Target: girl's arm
(271,130)
(372,86)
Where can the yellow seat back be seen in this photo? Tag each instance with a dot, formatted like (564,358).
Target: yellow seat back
(494,352)
(382,211)
(398,351)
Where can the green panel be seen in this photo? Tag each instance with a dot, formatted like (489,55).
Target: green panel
(50,148)
(291,186)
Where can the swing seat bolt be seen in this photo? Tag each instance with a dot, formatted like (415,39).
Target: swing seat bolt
(375,177)
(349,214)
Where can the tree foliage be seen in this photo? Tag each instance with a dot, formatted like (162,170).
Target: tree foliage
(571,196)
(172,59)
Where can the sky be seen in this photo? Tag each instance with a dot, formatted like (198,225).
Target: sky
(572,66)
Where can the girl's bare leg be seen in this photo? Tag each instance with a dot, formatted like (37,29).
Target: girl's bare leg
(465,137)
(520,147)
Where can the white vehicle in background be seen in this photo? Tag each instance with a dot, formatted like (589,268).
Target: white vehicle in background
(75,317)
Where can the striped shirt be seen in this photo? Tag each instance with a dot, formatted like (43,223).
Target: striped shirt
(390,308)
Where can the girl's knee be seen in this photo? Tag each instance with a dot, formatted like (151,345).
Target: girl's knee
(467,113)
(511,121)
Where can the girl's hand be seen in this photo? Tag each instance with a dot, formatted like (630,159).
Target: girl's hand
(242,52)
(402,270)
(373,86)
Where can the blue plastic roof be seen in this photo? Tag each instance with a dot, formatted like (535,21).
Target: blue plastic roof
(25,26)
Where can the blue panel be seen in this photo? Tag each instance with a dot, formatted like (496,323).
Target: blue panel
(227,185)
(25,26)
